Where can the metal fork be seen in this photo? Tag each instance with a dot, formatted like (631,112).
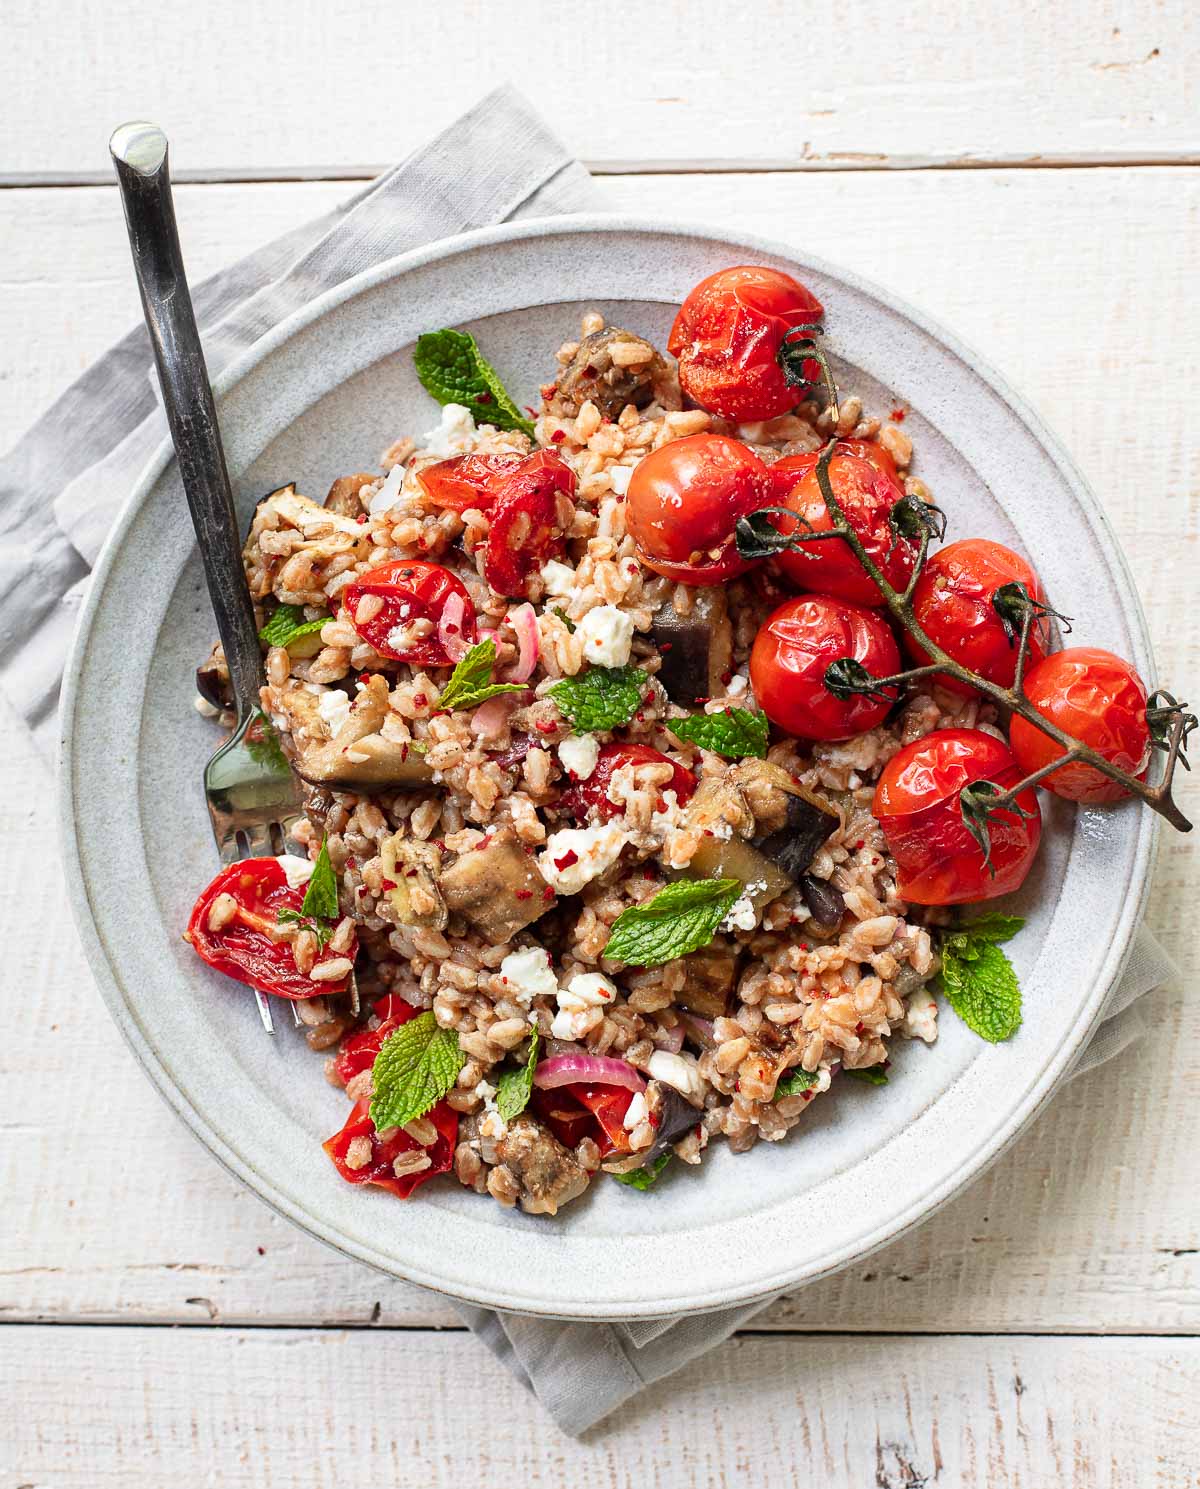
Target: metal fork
(253,797)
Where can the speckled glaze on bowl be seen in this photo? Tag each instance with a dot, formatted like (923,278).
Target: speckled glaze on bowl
(323,394)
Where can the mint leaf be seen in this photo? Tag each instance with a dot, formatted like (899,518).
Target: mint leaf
(453,369)
(600,698)
(288,625)
(643,1178)
(321,896)
(873,1075)
(415,1067)
(471,681)
(981,986)
(322,932)
(992,927)
(516,1086)
(734,732)
(680,918)
(565,618)
(796,1081)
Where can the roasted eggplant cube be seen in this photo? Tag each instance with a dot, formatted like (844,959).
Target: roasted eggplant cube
(696,649)
(793,846)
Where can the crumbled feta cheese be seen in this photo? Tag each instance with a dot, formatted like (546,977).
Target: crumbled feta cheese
(334,708)
(678,1071)
(620,476)
(574,856)
(575,1024)
(636,1112)
(453,436)
(559,579)
(742,915)
(297,870)
(920,1016)
(493,1124)
(529,975)
(737,686)
(606,635)
(389,493)
(586,990)
(578,754)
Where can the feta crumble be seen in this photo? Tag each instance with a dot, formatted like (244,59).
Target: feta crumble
(606,635)
(389,493)
(559,579)
(453,436)
(493,1124)
(578,754)
(920,1016)
(334,707)
(297,870)
(574,856)
(679,1072)
(742,915)
(581,1005)
(620,476)
(529,975)
(636,1112)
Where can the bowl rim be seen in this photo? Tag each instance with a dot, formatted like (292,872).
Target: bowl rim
(991,1145)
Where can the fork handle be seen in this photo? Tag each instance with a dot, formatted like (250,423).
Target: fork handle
(139,152)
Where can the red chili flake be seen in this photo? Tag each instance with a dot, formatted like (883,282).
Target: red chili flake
(859,1027)
(548,390)
(544,727)
(421,701)
(529,849)
(737,1085)
(804,946)
(640,716)
(726,678)
(665,645)
(648,696)
(701,701)
(547,894)
(708,832)
(361,518)
(364,679)
(557,436)
(483,398)
(262,1250)
(568,858)
(437,843)
(808,1095)
(410,873)
(387,883)
(531,411)
(898,415)
(451,627)
(524,894)
(403,753)
(352,863)
(859,844)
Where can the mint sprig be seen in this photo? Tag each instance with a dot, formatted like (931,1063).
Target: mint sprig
(644,1178)
(978,979)
(320,929)
(515,1087)
(288,625)
(873,1075)
(680,918)
(453,369)
(600,698)
(415,1067)
(734,732)
(796,1081)
(321,896)
(471,681)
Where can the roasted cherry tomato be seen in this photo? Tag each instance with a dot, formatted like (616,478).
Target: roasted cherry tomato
(684,501)
(591,795)
(241,944)
(466,481)
(1097,698)
(575,1112)
(867,492)
(916,802)
(357,1051)
(531,516)
(955,603)
(378,1168)
(796,646)
(727,335)
(405,626)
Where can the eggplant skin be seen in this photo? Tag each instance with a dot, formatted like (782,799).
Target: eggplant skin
(794,846)
(696,650)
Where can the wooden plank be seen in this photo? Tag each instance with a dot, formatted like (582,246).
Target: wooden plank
(1087,1222)
(312,1410)
(313,84)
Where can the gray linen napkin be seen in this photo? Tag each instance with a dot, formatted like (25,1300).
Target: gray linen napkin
(83,457)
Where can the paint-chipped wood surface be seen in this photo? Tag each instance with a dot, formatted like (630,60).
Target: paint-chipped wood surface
(1078,283)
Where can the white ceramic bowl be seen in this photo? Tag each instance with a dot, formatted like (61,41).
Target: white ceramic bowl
(324,394)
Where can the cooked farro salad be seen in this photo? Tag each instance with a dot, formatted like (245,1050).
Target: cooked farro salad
(627,828)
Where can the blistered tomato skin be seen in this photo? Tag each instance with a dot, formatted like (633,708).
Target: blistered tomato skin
(683,504)
(953,604)
(1097,698)
(727,334)
(378,1169)
(866,490)
(408,590)
(917,805)
(466,481)
(590,796)
(796,646)
(532,513)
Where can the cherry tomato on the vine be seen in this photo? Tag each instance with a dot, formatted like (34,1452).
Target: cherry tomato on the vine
(379,1169)
(955,603)
(236,935)
(531,516)
(792,653)
(727,335)
(466,481)
(683,504)
(592,794)
(1097,698)
(404,626)
(866,491)
(917,806)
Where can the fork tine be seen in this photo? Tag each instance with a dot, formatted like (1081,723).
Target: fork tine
(258,839)
(264,1010)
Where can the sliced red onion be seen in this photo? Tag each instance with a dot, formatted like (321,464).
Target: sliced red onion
(450,628)
(700,1030)
(671,1040)
(490,719)
(587,1070)
(523,620)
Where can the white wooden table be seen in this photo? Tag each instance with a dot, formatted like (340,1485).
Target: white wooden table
(1029,175)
